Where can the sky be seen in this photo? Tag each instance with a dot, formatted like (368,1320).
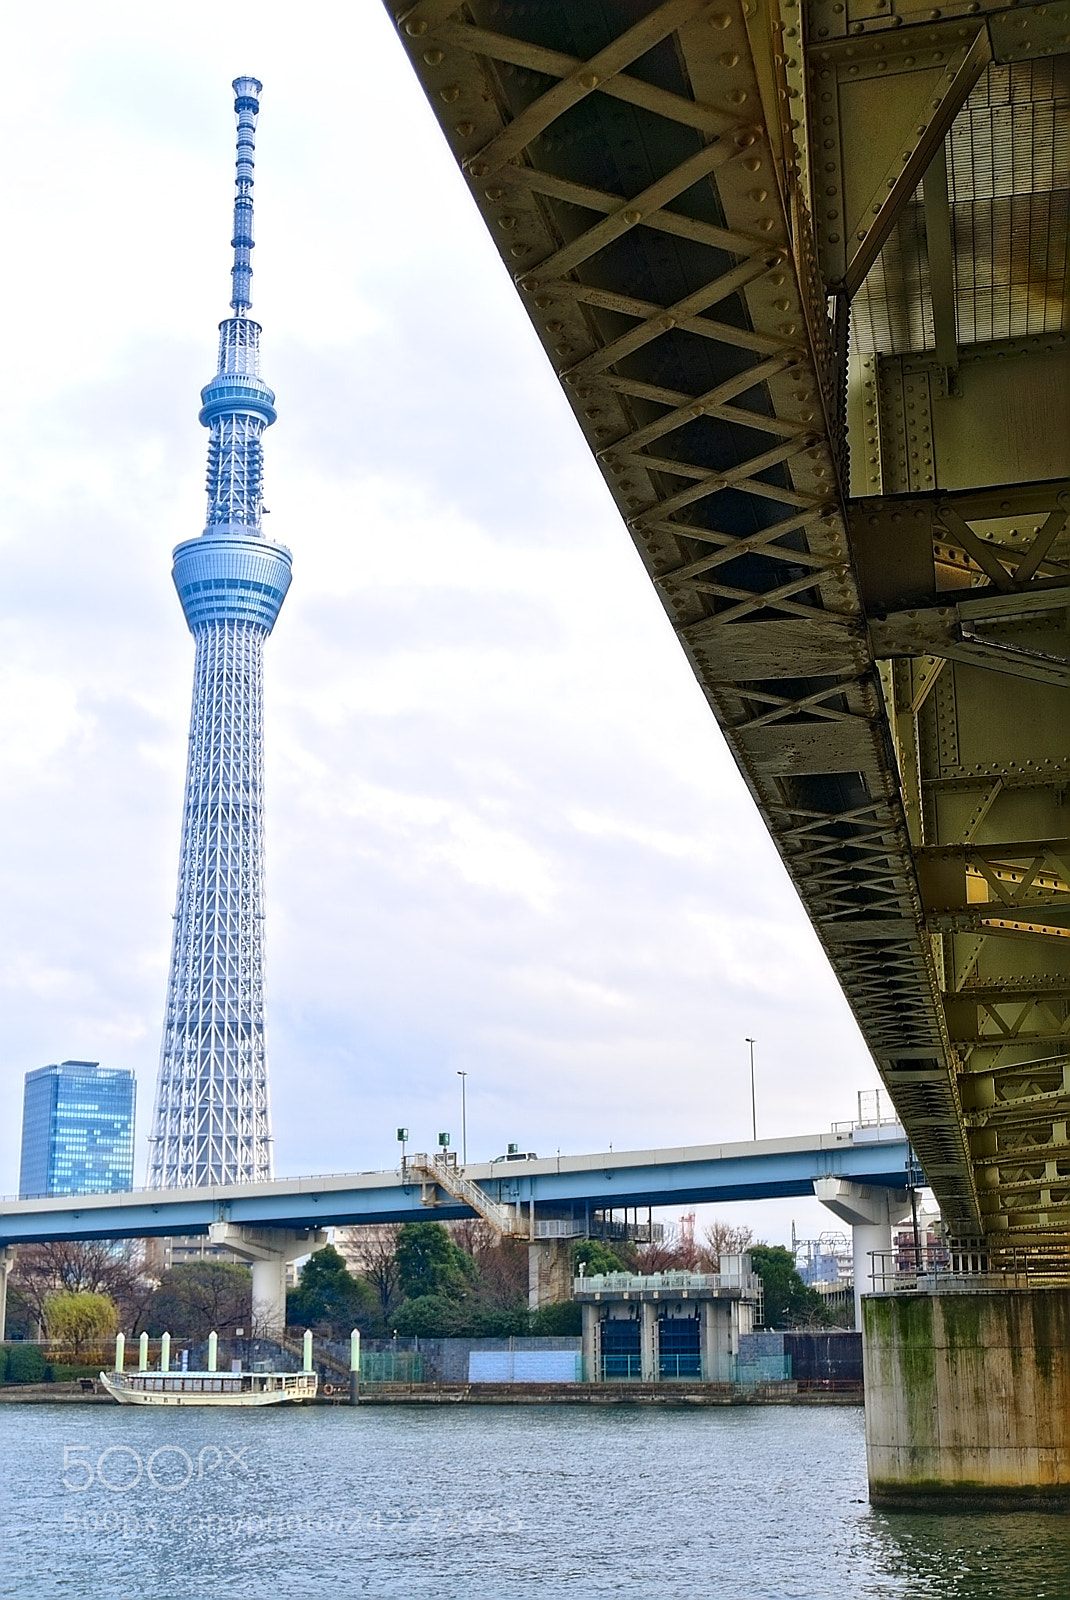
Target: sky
(504,834)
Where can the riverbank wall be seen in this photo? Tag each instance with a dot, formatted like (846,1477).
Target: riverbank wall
(601,1394)
(514,1394)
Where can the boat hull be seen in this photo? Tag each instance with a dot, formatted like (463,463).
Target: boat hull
(255,1389)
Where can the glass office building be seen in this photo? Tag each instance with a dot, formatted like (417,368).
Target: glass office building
(77,1130)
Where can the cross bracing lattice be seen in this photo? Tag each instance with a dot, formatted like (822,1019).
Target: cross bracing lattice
(212,1122)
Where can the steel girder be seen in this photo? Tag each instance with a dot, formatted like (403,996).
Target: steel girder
(667,184)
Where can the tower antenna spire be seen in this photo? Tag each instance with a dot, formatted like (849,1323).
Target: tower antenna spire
(246,111)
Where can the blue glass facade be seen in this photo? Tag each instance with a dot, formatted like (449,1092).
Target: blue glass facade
(77,1130)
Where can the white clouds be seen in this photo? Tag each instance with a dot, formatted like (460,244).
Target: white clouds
(38,714)
(503,831)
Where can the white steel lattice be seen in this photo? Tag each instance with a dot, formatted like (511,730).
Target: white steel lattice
(212,1121)
(235,471)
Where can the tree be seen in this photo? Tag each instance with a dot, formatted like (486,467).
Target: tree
(25,1363)
(202,1297)
(428,1316)
(501,1275)
(437,1316)
(661,1255)
(564,1317)
(724,1239)
(595,1258)
(95,1266)
(78,1318)
(374,1251)
(789,1303)
(429,1263)
(22,1320)
(328,1297)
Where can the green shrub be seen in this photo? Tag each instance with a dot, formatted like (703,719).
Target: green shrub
(564,1317)
(23,1364)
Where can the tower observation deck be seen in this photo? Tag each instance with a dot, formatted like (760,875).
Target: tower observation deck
(211,1122)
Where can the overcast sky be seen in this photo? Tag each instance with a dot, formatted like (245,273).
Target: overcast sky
(504,834)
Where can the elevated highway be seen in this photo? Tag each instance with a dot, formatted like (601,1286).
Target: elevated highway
(559,1187)
(801,270)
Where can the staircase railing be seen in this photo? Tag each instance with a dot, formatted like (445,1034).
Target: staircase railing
(433,1171)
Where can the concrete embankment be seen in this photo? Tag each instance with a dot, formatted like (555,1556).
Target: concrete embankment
(597,1394)
(497,1394)
(503,1394)
(29,1394)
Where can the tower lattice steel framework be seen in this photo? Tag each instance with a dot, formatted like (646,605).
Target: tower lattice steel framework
(212,1121)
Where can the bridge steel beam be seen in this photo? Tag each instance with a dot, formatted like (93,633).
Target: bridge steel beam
(703,204)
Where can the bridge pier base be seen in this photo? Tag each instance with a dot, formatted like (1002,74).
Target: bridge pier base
(268,1251)
(7,1261)
(968,1399)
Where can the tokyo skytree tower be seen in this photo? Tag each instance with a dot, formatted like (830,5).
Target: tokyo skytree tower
(211,1122)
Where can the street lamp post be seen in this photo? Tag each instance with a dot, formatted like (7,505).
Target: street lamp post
(464,1118)
(753,1108)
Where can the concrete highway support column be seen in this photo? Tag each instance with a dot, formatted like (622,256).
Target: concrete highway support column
(549,1272)
(7,1261)
(871,1212)
(968,1399)
(268,1250)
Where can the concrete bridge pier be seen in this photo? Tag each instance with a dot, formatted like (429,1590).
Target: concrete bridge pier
(268,1251)
(7,1261)
(549,1272)
(968,1399)
(871,1211)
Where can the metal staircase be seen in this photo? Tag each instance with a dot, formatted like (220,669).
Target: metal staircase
(441,1172)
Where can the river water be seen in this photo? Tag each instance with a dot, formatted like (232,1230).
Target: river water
(482,1503)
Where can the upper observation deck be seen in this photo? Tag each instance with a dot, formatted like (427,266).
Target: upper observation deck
(801,270)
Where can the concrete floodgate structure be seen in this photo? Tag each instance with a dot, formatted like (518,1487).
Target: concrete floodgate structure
(667,1325)
(968,1399)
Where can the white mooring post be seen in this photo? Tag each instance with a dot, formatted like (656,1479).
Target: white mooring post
(354,1367)
(306,1351)
(143,1353)
(165,1353)
(120,1351)
(213,1350)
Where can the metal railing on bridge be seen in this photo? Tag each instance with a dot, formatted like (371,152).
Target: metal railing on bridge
(965,1266)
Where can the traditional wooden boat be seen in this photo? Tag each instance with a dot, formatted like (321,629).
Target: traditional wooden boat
(210,1388)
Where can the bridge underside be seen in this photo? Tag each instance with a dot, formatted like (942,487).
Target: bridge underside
(801,270)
